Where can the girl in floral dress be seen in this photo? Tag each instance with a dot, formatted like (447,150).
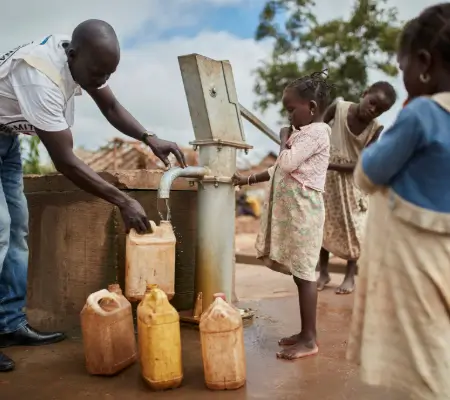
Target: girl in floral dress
(291,230)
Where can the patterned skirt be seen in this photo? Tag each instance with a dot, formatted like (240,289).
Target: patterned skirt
(291,232)
(345,214)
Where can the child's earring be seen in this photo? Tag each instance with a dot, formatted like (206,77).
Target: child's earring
(424,78)
(312,112)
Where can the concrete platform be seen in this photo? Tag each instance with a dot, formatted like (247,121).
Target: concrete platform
(57,372)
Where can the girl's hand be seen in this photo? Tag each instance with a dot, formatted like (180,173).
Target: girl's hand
(239,180)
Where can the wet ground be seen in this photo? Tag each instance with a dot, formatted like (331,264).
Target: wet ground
(57,372)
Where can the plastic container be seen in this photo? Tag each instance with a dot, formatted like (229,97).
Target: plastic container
(159,341)
(223,351)
(150,259)
(108,332)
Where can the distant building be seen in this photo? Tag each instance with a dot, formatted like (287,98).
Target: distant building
(121,154)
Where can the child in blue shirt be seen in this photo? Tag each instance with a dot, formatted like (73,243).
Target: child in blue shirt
(400,330)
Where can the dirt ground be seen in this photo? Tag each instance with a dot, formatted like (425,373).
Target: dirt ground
(57,372)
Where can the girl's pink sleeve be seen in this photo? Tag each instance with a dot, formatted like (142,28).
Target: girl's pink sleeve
(304,145)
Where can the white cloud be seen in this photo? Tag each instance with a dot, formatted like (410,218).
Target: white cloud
(24,20)
(148,81)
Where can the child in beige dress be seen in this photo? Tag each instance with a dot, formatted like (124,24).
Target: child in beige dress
(354,127)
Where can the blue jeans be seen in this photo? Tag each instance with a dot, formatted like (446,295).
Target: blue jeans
(13,237)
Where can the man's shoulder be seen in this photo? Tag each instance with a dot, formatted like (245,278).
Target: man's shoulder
(55,38)
(47,61)
(52,45)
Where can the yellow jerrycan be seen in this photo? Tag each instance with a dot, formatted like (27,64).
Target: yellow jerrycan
(223,351)
(159,340)
(108,332)
(150,259)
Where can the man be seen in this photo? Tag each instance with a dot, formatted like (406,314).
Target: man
(38,82)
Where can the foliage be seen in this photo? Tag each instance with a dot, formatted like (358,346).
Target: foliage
(31,160)
(348,48)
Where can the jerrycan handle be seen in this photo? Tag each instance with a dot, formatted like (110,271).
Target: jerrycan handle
(155,229)
(153,226)
(95,298)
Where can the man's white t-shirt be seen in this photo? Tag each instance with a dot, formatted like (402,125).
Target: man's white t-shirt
(29,98)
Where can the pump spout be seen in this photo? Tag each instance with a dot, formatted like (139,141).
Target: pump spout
(176,172)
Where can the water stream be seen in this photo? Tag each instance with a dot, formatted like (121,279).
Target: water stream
(169,216)
(160,213)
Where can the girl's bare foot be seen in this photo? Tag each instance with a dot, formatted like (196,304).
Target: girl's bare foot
(303,348)
(289,340)
(324,279)
(347,286)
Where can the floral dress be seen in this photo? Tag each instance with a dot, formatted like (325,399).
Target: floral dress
(291,231)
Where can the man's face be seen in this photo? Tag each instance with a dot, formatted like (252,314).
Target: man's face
(91,69)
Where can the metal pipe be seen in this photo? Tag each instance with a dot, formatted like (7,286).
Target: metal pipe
(257,123)
(176,172)
(214,271)
(214,254)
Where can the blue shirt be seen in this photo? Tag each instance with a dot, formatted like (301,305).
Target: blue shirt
(413,156)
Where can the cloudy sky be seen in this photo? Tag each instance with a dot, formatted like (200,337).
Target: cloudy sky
(152,34)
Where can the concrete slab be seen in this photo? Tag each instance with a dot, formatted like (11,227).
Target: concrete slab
(57,372)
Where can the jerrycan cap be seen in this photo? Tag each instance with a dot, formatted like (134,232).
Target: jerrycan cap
(115,288)
(150,287)
(220,295)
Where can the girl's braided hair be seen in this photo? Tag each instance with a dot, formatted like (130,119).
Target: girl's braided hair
(314,87)
(429,31)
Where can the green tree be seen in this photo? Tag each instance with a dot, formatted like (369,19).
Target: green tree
(347,48)
(31,158)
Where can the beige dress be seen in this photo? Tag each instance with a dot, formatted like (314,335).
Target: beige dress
(400,332)
(345,204)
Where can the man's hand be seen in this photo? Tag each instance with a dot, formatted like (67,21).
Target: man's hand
(162,148)
(59,147)
(134,217)
(124,122)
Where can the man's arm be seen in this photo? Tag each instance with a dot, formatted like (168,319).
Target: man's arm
(116,114)
(124,122)
(60,149)
(42,105)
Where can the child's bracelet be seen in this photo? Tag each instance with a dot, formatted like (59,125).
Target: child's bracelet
(248,180)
